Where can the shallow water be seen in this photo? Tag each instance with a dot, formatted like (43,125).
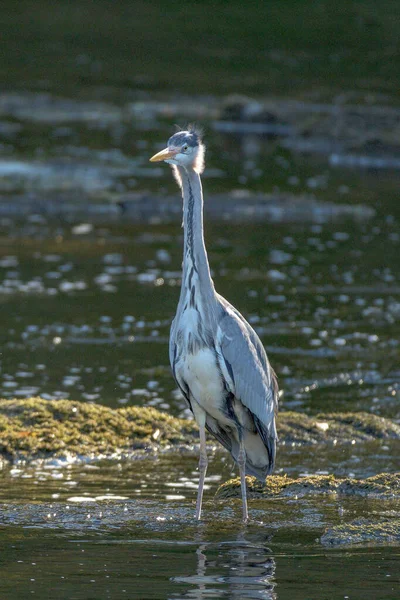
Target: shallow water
(86,316)
(228,564)
(127,530)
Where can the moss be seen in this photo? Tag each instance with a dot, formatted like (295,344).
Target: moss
(384,485)
(37,428)
(339,427)
(278,486)
(363,531)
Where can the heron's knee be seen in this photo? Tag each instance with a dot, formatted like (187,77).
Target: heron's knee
(203,462)
(241,457)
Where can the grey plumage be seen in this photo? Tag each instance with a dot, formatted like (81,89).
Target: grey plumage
(216,357)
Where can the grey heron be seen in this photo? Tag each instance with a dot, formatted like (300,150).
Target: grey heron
(217,359)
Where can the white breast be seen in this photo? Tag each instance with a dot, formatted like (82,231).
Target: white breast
(201,373)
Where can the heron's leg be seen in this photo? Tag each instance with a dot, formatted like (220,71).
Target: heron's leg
(242,470)
(203,462)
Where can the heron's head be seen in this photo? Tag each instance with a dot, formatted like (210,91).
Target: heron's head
(184,149)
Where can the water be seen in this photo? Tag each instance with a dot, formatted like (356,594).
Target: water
(86,312)
(240,565)
(86,315)
(303,234)
(127,530)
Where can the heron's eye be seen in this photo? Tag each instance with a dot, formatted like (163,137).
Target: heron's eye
(184,147)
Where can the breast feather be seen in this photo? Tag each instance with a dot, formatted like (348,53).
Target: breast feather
(202,375)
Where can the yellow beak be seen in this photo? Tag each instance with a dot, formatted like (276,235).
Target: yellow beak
(164,155)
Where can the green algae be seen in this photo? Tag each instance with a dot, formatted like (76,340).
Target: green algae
(296,427)
(34,428)
(37,428)
(317,500)
(384,485)
(363,531)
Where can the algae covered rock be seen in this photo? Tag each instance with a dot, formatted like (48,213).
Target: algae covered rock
(316,500)
(363,531)
(298,428)
(384,485)
(37,428)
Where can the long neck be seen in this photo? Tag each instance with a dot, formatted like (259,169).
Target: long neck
(195,261)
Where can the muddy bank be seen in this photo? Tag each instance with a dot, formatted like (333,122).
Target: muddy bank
(383,486)
(43,429)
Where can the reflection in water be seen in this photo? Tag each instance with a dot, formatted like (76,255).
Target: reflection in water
(236,569)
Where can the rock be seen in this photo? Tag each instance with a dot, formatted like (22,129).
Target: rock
(34,428)
(363,531)
(383,486)
(310,501)
(294,427)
